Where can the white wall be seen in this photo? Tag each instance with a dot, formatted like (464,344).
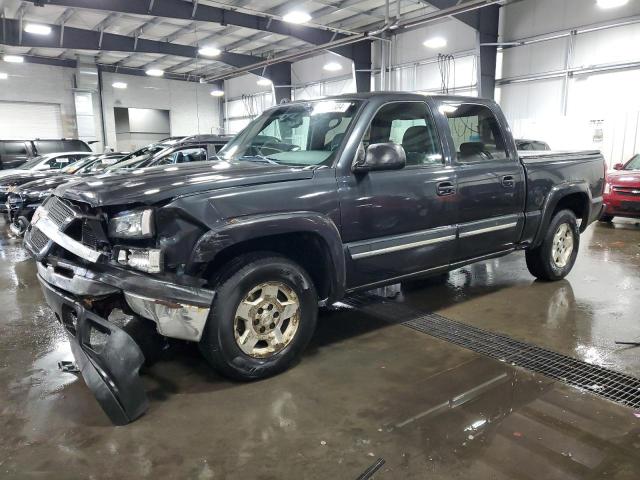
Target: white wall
(571,112)
(30,82)
(192,109)
(415,67)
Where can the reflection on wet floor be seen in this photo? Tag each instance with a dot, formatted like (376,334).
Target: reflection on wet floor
(365,389)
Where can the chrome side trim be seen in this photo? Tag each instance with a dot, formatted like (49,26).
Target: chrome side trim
(405,246)
(495,228)
(46,226)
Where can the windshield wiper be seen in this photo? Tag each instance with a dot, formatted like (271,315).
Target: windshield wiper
(259,159)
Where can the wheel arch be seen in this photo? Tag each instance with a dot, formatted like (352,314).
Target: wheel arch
(310,239)
(570,196)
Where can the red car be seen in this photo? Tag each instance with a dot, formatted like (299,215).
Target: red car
(622,191)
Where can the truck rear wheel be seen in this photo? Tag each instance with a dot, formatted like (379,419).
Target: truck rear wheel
(555,257)
(262,318)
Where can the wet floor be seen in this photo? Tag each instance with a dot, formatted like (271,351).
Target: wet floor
(365,389)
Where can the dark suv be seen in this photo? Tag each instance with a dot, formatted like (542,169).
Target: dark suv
(14,153)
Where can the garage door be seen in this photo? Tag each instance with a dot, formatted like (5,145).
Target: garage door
(22,120)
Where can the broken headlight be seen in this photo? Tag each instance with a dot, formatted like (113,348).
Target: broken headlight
(138,224)
(145,259)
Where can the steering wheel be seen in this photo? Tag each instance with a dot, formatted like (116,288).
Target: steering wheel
(487,154)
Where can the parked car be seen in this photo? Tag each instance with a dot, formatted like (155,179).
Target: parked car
(38,167)
(185,150)
(622,191)
(23,199)
(535,145)
(14,153)
(355,192)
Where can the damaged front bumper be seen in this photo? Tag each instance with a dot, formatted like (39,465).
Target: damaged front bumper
(179,311)
(108,358)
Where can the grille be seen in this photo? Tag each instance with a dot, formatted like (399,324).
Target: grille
(632,191)
(615,386)
(37,239)
(58,211)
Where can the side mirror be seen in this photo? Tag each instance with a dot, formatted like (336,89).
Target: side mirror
(618,166)
(380,156)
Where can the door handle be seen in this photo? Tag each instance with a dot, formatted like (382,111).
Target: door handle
(508,181)
(445,189)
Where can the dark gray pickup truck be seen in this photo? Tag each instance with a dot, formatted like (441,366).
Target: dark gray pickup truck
(312,201)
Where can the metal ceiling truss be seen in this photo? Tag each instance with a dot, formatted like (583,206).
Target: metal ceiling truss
(192,10)
(80,39)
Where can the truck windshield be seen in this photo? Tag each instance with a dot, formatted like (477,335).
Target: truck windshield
(299,134)
(634,164)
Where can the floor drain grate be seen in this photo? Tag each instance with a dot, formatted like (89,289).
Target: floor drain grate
(615,386)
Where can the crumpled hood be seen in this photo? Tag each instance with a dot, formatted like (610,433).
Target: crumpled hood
(628,178)
(155,184)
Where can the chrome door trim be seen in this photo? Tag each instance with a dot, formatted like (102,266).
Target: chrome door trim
(495,228)
(405,241)
(404,246)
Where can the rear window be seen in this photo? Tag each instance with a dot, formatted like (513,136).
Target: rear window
(55,146)
(13,148)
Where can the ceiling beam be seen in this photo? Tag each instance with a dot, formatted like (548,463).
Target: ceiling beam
(184,10)
(80,39)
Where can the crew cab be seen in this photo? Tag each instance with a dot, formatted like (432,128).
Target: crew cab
(312,201)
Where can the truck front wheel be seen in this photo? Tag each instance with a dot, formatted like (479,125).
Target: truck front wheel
(555,257)
(262,318)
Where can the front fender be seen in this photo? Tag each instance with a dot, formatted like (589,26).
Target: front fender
(243,229)
(557,193)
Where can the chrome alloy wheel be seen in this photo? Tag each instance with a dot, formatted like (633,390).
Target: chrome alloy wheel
(562,246)
(267,319)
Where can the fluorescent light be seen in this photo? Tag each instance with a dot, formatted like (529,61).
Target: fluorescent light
(332,67)
(155,72)
(217,93)
(3,76)
(37,29)
(209,51)
(297,17)
(119,85)
(611,3)
(435,42)
(264,82)
(13,58)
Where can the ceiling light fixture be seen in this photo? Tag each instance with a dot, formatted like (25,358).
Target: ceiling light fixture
(37,29)
(605,4)
(3,76)
(209,51)
(264,82)
(217,93)
(297,17)
(435,42)
(119,85)
(13,58)
(155,72)
(332,67)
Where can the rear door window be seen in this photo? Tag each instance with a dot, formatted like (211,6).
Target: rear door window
(476,133)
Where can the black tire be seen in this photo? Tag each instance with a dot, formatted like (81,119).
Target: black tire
(540,260)
(606,218)
(218,344)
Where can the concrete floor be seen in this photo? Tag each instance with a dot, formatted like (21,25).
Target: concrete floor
(364,390)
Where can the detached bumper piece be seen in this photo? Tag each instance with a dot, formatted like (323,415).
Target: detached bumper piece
(108,358)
